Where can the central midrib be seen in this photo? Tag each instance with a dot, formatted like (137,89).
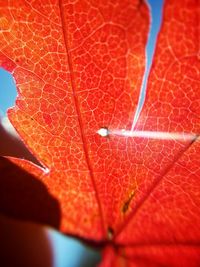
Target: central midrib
(76,102)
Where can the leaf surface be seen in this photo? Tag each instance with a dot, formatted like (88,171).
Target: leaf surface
(78,67)
(73,78)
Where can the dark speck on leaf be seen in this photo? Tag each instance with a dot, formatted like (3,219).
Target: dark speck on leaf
(110,233)
(127,203)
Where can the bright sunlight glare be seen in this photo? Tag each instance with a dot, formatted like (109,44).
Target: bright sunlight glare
(155,135)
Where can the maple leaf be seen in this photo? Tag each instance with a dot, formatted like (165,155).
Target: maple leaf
(78,68)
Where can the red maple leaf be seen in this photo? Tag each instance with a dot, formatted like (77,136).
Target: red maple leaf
(78,68)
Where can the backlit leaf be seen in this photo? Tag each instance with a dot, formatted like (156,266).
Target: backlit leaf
(78,67)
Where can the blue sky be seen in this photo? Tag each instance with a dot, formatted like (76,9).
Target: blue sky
(156,16)
(61,244)
(7,91)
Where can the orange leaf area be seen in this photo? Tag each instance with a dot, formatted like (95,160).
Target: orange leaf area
(78,67)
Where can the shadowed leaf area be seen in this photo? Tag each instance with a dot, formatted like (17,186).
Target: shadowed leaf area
(12,146)
(23,196)
(24,244)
